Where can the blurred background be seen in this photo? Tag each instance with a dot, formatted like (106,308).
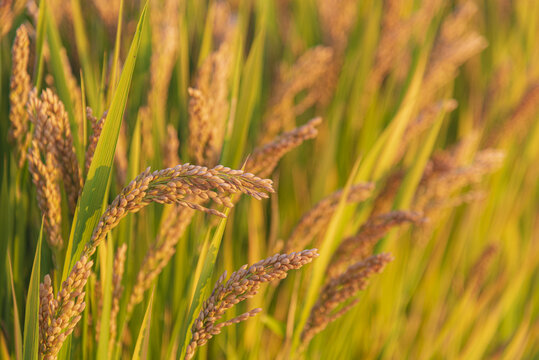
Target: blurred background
(428,128)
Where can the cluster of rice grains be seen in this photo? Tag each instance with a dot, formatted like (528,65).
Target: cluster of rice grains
(19,90)
(52,139)
(352,263)
(173,185)
(241,285)
(59,315)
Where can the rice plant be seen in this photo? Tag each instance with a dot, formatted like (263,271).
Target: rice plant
(379,155)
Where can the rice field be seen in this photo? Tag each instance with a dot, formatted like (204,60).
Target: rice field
(288,179)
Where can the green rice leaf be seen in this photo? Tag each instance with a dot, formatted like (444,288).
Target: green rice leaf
(31,318)
(16,320)
(40,36)
(144,327)
(116,57)
(106,271)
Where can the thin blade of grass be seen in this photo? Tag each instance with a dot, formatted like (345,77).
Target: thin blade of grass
(106,271)
(31,318)
(143,327)
(380,156)
(116,57)
(40,37)
(16,321)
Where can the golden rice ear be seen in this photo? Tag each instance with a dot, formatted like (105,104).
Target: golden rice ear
(242,284)
(338,295)
(310,73)
(361,245)
(52,134)
(455,45)
(438,188)
(45,178)
(316,219)
(208,103)
(19,92)
(60,315)
(186,185)
(264,159)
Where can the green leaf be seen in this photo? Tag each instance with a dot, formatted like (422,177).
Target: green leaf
(40,36)
(106,271)
(16,320)
(31,318)
(143,328)
(275,326)
(95,189)
(116,57)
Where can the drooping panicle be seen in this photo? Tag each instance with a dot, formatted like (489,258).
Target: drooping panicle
(339,294)
(60,315)
(316,219)
(361,245)
(308,74)
(241,285)
(264,159)
(19,91)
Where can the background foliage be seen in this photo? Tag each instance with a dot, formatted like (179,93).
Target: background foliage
(463,284)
